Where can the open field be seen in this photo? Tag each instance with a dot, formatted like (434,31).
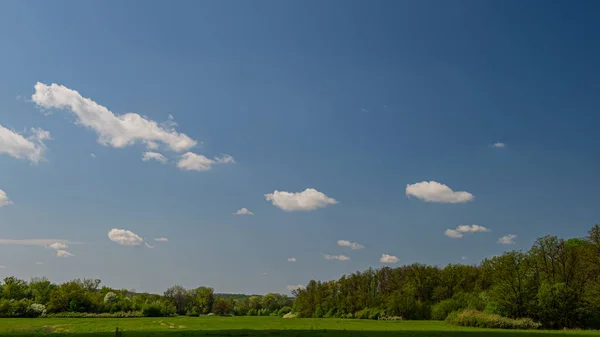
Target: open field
(249,326)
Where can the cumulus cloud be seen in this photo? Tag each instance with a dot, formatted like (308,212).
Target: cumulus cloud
(190,161)
(125,237)
(308,200)
(63,253)
(161,239)
(458,232)
(243,211)
(336,257)
(507,239)
(433,191)
(17,146)
(498,145)
(58,245)
(4,200)
(453,233)
(113,130)
(148,245)
(385,258)
(154,156)
(295,287)
(291,259)
(472,229)
(353,245)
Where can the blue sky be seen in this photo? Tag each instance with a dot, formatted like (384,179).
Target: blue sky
(354,99)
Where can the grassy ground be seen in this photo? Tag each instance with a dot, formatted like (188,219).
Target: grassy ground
(250,326)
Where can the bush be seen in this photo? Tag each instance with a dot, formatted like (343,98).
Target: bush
(37,310)
(158,309)
(441,310)
(474,318)
(284,310)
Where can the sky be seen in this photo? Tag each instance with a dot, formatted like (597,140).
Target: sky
(252,146)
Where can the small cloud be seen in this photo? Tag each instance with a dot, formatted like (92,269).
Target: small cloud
(19,147)
(308,200)
(58,246)
(92,155)
(39,263)
(295,287)
(151,145)
(243,211)
(463,258)
(4,200)
(336,257)
(433,191)
(507,239)
(498,145)
(39,134)
(154,156)
(125,237)
(353,245)
(161,239)
(364,110)
(171,117)
(148,245)
(472,229)
(2,267)
(190,161)
(264,274)
(453,233)
(291,259)
(458,232)
(35,242)
(385,258)
(63,253)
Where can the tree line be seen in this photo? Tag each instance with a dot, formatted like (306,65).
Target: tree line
(85,298)
(556,282)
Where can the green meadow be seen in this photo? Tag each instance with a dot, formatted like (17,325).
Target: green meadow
(249,326)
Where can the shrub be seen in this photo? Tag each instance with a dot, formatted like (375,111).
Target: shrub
(283,311)
(441,310)
(474,318)
(119,314)
(37,310)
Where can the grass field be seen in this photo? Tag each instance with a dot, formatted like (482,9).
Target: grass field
(249,326)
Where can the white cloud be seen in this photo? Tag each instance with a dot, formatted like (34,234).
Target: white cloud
(385,258)
(151,145)
(39,134)
(336,257)
(113,130)
(433,191)
(125,237)
(17,146)
(2,267)
(463,258)
(498,145)
(34,242)
(472,229)
(295,287)
(4,200)
(196,162)
(243,211)
(161,239)
(154,156)
(291,259)
(453,233)
(307,200)
(39,263)
(92,155)
(63,253)
(353,245)
(458,232)
(58,246)
(148,245)
(507,239)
